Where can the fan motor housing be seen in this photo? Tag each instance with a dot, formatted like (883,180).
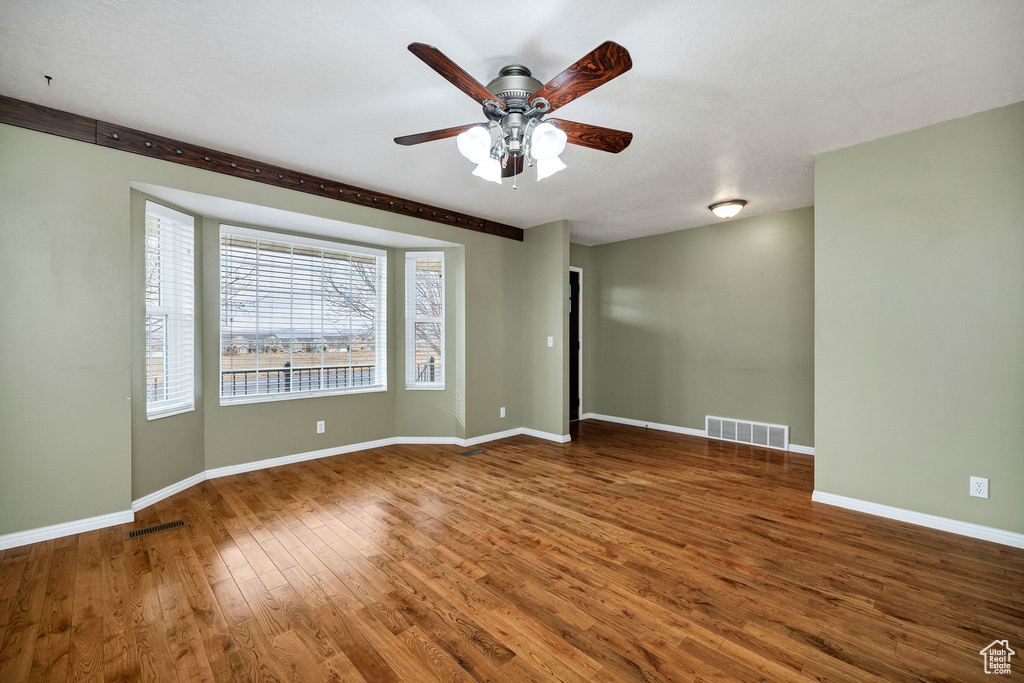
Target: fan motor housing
(514,86)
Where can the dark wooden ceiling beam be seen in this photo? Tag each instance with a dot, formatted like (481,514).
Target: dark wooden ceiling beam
(55,122)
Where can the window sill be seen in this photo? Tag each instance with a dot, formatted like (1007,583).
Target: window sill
(424,387)
(291,396)
(168,412)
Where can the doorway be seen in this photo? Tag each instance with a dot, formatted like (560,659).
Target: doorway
(575,342)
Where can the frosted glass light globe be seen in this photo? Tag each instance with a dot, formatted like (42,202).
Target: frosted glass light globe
(728,209)
(546,141)
(550,166)
(475,144)
(489,169)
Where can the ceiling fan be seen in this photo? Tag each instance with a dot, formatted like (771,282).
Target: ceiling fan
(516,134)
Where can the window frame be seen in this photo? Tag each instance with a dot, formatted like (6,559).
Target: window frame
(179,319)
(380,332)
(411,319)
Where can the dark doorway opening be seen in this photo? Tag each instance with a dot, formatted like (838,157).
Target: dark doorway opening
(575,348)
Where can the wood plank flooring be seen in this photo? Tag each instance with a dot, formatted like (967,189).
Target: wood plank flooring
(625,555)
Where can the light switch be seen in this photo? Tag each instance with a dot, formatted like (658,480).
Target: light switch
(551,341)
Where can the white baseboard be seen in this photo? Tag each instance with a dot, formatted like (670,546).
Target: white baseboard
(362,446)
(806,450)
(473,441)
(297,457)
(168,491)
(564,438)
(45,533)
(643,423)
(985,533)
(68,528)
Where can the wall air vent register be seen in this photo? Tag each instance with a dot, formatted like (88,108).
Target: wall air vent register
(745,431)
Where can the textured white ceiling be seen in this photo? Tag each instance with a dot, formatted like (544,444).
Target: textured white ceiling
(725,99)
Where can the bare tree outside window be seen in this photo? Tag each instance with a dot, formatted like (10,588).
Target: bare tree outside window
(298,317)
(350,296)
(156,325)
(424,319)
(238,277)
(169,322)
(429,304)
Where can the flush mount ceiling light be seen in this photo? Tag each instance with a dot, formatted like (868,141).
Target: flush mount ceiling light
(514,103)
(729,208)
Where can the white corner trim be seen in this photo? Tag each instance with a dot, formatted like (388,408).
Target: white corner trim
(218,472)
(806,450)
(168,491)
(474,440)
(564,438)
(955,526)
(643,423)
(45,533)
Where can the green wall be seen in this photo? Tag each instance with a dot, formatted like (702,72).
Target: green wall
(545,303)
(494,352)
(715,320)
(920,332)
(66,270)
(65,417)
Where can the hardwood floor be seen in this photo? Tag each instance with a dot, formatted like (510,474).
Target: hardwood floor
(625,555)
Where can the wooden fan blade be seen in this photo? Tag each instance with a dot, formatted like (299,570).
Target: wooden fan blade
(513,167)
(606,62)
(594,137)
(434,135)
(452,72)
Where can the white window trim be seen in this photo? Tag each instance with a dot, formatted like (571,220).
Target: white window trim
(169,411)
(411,320)
(166,408)
(293,395)
(382,303)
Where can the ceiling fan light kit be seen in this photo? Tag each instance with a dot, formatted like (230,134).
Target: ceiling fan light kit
(728,209)
(514,105)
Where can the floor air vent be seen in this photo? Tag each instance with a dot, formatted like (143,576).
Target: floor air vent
(155,529)
(745,431)
(475,451)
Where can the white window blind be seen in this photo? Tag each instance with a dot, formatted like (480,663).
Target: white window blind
(424,320)
(170,312)
(299,317)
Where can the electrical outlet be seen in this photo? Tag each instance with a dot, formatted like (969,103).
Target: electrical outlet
(320,427)
(502,411)
(979,487)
